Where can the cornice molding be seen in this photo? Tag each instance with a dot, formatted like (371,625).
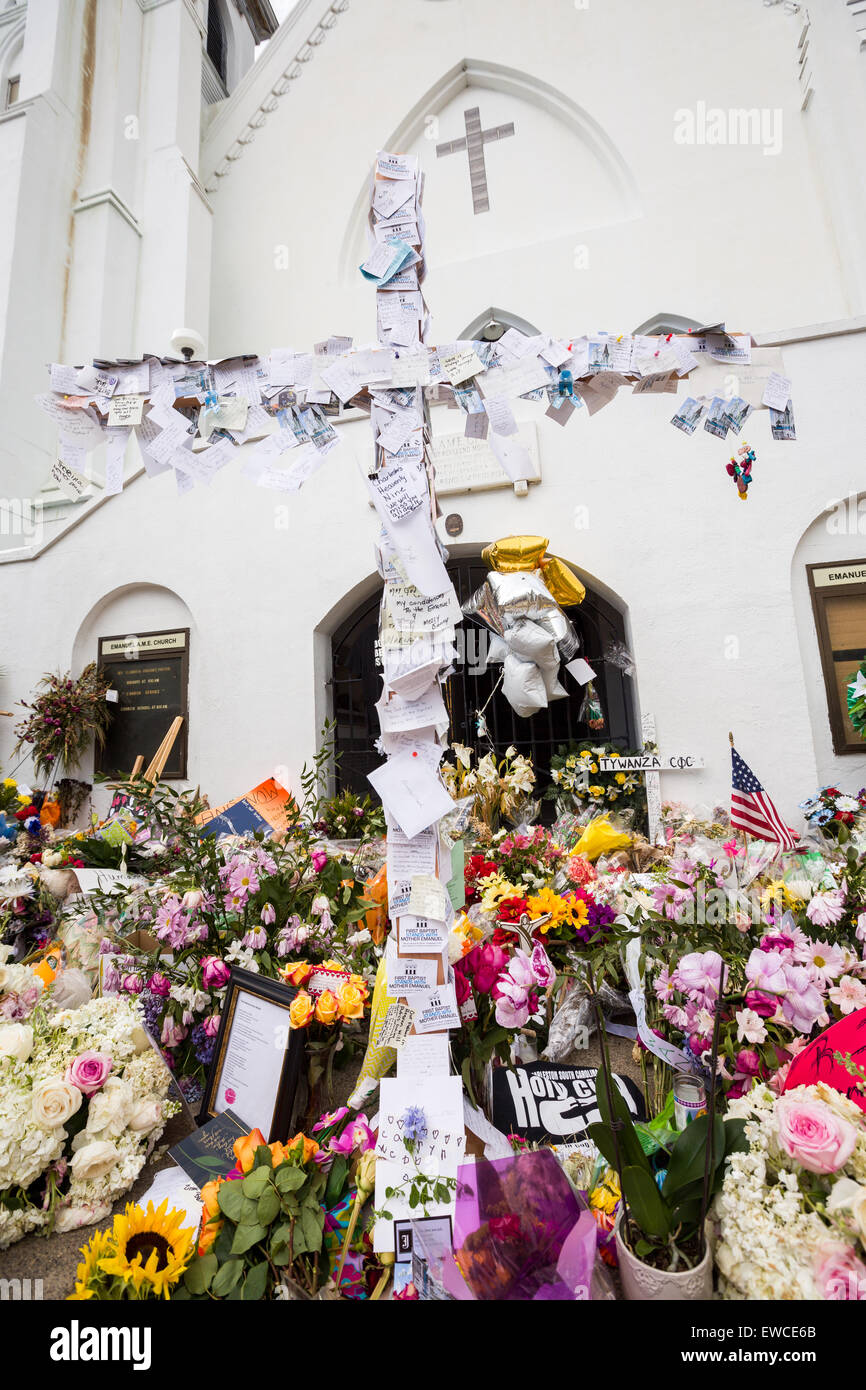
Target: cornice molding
(276,72)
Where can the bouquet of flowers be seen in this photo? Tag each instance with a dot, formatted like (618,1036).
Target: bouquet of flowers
(348,817)
(500,786)
(527,860)
(791,1214)
(288,1212)
(64,717)
(82,1102)
(578,784)
(833,811)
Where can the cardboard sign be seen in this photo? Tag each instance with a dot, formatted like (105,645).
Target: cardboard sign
(546,1102)
(817,1062)
(265,808)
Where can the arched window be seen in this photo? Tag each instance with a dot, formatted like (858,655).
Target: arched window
(490,326)
(356,686)
(217,47)
(661,324)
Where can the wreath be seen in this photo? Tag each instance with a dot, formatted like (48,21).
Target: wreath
(857,699)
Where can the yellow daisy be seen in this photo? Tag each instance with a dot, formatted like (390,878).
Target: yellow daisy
(150,1247)
(496,887)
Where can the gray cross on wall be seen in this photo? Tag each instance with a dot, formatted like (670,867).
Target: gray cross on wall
(473,143)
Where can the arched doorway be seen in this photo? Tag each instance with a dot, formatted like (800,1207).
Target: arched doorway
(356,685)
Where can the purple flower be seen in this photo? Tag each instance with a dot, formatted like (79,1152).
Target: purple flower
(766,971)
(415,1124)
(256,939)
(269,916)
(132,984)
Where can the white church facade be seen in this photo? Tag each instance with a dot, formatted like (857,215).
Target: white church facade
(618,166)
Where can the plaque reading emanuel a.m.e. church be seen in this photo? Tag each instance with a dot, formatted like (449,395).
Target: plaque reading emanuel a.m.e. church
(149,673)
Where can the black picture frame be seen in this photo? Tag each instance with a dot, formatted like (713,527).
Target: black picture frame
(275,992)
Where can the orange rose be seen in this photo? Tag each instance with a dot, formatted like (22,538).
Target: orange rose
(351,1001)
(294,972)
(210,1226)
(361,985)
(245,1149)
(301,1010)
(332,965)
(279,1153)
(310,1146)
(327,1007)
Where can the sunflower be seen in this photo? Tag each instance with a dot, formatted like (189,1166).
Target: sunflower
(88,1272)
(570,912)
(150,1248)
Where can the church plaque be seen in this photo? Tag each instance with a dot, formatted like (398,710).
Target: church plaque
(149,672)
(470,465)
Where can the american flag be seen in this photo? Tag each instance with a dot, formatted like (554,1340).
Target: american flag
(753,811)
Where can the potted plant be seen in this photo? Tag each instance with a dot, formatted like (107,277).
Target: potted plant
(660,1237)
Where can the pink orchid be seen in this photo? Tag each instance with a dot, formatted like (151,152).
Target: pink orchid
(541,967)
(766,971)
(803,1004)
(512,1006)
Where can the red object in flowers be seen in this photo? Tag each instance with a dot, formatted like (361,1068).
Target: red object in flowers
(817,1062)
(512,909)
(26,812)
(501,937)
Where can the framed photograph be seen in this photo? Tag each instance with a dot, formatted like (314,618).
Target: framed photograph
(258,1056)
(435,1233)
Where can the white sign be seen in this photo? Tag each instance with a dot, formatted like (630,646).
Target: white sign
(470,465)
(652,762)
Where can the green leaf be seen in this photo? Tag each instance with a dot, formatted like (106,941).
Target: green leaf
(311,1229)
(644,1200)
(264,1158)
(289,1178)
(631,1152)
(414,1198)
(256,1282)
(255,1184)
(231,1200)
(688,1155)
(201,1272)
(247,1236)
(226,1278)
(735,1137)
(268,1206)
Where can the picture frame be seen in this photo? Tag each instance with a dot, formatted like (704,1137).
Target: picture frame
(256,1067)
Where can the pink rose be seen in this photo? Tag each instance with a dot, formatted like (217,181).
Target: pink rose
(488,961)
(214,972)
(748,1062)
(813,1134)
(320,859)
(172,1033)
(840,1276)
(211,1025)
(89,1071)
(159,984)
(462,987)
(132,984)
(761,1003)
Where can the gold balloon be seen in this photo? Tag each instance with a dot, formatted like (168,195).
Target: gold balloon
(562,582)
(515,553)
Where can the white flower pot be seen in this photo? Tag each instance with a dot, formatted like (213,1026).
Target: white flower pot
(643,1282)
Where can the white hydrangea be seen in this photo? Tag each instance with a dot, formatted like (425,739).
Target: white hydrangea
(767,1234)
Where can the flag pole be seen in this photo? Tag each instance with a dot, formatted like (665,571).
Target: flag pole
(745,834)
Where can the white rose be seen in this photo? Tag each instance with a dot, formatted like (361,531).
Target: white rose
(849,1196)
(16,1040)
(139,1039)
(93,1160)
(110,1108)
(54,1102)
(146,1116)
(72,1218)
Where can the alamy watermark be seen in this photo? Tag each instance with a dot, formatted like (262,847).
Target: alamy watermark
(22,516)
(713,125)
